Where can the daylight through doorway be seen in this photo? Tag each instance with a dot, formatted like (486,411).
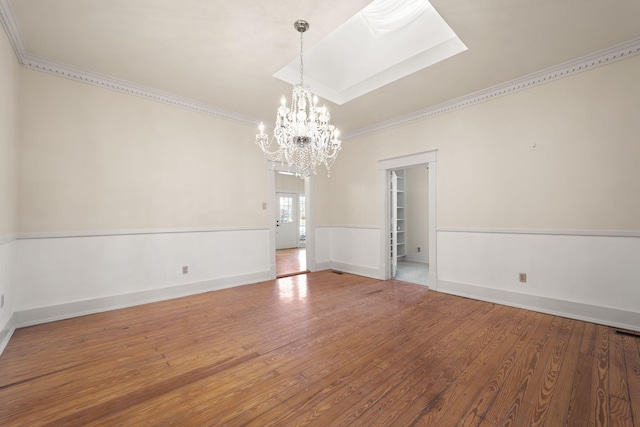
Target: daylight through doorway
(291,225)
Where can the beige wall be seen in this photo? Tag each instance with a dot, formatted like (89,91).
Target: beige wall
(9,73)
(352,193)
(563,155)
(95,159)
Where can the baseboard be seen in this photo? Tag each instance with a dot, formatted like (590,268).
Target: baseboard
(6,331)
(574,310)
(325,265)
(416,258)
(355,269)
(82,308)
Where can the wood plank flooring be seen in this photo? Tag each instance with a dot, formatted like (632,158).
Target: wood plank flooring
(290,262)
(322,349)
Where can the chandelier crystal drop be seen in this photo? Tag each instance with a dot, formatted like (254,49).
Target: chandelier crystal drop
(303,136)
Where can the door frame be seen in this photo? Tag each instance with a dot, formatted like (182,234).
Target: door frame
(271,216)
(393,221)
(428,159)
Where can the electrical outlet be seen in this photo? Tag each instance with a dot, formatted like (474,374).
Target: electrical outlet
(2,301)
(418,248)
(523,277)
(185,269)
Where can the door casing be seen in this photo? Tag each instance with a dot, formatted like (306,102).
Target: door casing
(427,158)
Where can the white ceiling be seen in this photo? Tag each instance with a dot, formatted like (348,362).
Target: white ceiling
(224,53)
(386,41)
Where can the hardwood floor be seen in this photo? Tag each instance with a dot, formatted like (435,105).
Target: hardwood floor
(323,349)
(290,262)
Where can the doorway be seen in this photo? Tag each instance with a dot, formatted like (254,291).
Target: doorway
(427,162)
(409,244)
(290,224)
(287,220)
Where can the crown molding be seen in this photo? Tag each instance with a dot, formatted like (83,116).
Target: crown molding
(107,82)
(596,59)
(62,70)
(603,57)
(11,28)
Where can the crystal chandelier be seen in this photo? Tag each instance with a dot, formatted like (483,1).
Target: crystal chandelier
(303,134)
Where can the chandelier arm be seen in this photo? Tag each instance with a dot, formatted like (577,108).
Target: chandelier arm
(274,156)
(271,154)
(264,142)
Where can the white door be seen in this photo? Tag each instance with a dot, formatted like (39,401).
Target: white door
(286,220)
(394,223)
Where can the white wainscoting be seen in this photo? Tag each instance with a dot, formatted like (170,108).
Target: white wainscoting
(7,260)
(323,248)
(356,250)
(592,276)
(61,277)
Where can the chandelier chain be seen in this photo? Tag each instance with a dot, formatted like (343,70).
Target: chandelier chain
(301,58)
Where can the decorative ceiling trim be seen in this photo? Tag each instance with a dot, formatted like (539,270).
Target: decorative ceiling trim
(11,28)
(56,68)
(62,70)
(603,57)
